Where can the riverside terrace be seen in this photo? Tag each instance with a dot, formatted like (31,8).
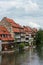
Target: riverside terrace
(20,34)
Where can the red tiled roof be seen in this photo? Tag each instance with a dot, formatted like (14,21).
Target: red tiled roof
(16,30)
(34,29)
(27,29)
(12,22)
(7,39)
(3,30)
(22,30)
(30,30)
(16,27)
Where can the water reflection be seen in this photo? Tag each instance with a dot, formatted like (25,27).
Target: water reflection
(30,57)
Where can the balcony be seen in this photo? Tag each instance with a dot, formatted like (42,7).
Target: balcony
(30,40)
(22,39)
(26,40)
(22,34)
(18,40)
(17,36)
(26,36)
(29,35)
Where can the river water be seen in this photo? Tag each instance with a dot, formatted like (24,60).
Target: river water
(29,57)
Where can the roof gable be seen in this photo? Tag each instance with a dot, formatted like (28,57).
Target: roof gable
(12,22)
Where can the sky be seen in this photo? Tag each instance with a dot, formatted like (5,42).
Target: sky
(24,12)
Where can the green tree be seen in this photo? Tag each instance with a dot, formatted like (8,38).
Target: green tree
(39,38)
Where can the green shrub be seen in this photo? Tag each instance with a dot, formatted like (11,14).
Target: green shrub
(26,44)
(21,46)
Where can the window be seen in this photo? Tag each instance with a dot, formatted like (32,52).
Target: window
(27,38)
(0,35)
(3,35)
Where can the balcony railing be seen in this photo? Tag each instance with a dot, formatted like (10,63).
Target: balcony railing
(26,40)
(30,40)
(17,40)
(22,39)
(22,34)
(26,36)
(17,36)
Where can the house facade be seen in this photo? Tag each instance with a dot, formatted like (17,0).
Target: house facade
(16,30)
(6,41)
(28,35)
(20,34)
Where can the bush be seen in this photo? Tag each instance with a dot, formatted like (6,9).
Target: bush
(26,44)
(21,46)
